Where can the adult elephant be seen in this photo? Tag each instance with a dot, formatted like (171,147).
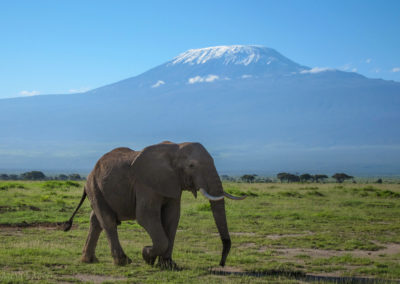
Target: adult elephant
(147,186)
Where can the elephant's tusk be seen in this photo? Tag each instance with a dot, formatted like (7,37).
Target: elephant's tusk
(234,197)
(210,197)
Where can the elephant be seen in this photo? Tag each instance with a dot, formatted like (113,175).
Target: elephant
(146,186)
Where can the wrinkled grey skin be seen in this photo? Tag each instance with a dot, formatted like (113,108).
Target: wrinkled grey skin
(146,186)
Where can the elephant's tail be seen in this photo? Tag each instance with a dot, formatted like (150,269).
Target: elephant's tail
(68,224)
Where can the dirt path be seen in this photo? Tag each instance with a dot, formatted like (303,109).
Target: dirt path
(299,275)
(44,225)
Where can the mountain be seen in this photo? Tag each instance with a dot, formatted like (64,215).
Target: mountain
(254,109)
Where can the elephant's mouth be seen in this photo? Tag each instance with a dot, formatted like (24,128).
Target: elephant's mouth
(188,184)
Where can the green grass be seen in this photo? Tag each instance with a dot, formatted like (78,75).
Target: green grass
(8,185)
(289,228)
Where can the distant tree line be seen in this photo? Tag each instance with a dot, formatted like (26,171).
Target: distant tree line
(38,175)
(249,178)
(288,177)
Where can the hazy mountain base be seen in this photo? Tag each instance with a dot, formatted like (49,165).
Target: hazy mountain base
(281,229)
(239,134)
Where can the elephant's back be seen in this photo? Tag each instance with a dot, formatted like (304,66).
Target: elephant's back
(115,160)
(118,155)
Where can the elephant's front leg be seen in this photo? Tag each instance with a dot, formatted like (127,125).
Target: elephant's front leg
(170,214)
(148,215)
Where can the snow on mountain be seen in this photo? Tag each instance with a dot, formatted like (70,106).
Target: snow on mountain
(212,65)
(234,55)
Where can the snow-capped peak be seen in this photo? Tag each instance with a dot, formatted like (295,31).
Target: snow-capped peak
(233,54)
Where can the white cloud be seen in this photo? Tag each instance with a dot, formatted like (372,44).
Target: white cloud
(29,93)
(346,67)
(316,70)
(245,76)
(349,67)
(79,90)
(368,60)
(198,79)
(396,69)
(158,84)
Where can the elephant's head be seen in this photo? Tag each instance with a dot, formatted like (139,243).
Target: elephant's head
(169,168)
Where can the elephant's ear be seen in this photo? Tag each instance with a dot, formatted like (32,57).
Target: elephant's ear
(153,168)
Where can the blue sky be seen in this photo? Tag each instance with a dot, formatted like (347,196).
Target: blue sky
(50,47)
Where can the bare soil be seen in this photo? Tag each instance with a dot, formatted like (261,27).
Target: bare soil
(277,237)
(226,269)
(7,208)
(389,249)
(246,245)
(42,225)
(96,278)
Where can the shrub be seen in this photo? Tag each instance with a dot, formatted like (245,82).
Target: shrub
(341,177)
(388,194)
(45,197)
(238,192)
(204,207)
(53,184)
(315,193)
(8,185)
(33,175)
(4,177)
(74,177)
(248,178)
(290,194)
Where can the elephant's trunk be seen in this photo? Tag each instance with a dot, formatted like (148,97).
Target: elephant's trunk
(218,210)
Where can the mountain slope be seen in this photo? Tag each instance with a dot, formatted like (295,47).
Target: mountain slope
(254,109)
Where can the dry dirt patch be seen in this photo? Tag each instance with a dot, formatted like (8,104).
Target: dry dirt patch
(97,278)
(40,225)
(277,237)
(247,234)
(389,249)
(11,231)
(226,269)
(246,245)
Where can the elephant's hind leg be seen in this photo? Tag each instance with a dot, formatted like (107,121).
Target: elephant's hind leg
(117,252)
(108,221)
(88,253)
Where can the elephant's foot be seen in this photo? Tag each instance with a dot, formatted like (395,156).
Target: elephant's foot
(167,263)
(89,259)
(146,255)
(124,260)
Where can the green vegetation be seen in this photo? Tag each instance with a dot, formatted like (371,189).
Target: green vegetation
(285,229)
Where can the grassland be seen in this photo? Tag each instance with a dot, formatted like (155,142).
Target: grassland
(287,229)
